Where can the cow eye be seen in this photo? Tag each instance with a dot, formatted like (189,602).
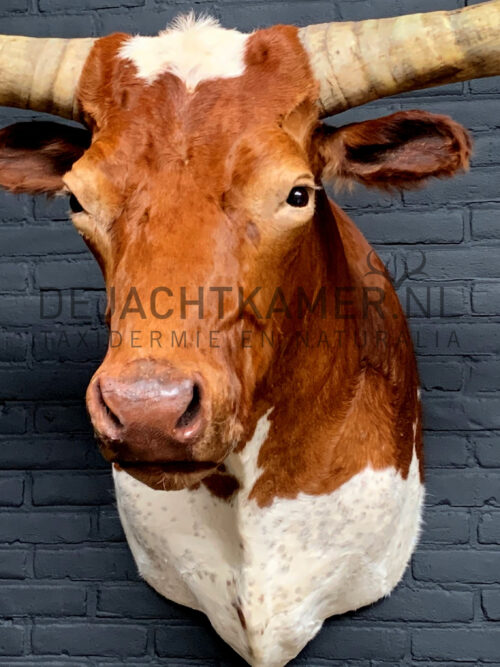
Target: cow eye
(298,197)
(74,204)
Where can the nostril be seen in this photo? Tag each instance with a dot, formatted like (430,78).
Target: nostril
(146,414)
(109,418)
(192,411)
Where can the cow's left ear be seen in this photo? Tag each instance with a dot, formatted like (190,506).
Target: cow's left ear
(397,151)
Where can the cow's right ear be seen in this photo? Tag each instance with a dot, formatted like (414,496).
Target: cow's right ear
(402,150)
(34,156)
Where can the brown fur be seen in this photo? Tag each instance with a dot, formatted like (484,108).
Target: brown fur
(222,484)
(398,151)
(189,190)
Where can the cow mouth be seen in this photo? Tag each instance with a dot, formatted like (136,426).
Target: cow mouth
(168,475)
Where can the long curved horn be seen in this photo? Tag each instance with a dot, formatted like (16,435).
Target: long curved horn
(356,62)
(42,74)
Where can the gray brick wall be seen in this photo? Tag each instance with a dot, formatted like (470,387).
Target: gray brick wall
(69,591)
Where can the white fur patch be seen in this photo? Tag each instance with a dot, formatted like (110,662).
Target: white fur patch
(286,567)
(194,50)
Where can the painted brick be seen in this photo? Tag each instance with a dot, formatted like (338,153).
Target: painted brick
(54,209)
(374,109)
(444,450)
(61,419)
(137,601)
(151,22)
(457,566)
(105,563)
(48,307)
(358,10)
(445,527)
(363,200)
(57,25)
(484,224)
(488,449)
(491,85)
(464,488)
(441,226)
(426,299)
(485,299)
(20,311)
(446,376)
(486,149)
(60,5)
(89,639)
(424,663)
(422,605)
(34,240)
(248,16)
(462,412)
(449,644)
(109,527)
(12,419)
(72,488)
(47,527)
(51,662)
(491,604)
(173,640)
(484,376)
(13,346)
(11,639)
(48,383)
(488,531)
(461,263)
(9,6)
(42,600)
(13,277)
(475,186)
(456,338)
(14,563)
(78,274)
(10,115)
(49,454)
(79,345)
(474,114)
(11,490)
(14,207)
(356,643)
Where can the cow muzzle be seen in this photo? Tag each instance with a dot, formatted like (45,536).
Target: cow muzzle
(151,421)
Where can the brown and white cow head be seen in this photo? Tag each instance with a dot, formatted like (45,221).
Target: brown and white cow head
(201,170)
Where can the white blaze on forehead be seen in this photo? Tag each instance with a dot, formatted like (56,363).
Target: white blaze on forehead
(194,50)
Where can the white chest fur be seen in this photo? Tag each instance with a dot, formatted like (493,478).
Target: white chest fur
(267,578)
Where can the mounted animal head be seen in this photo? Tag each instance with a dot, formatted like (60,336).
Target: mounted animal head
(198,179)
